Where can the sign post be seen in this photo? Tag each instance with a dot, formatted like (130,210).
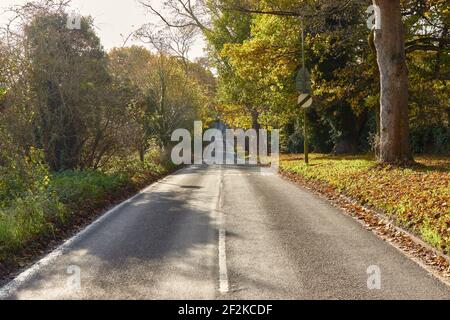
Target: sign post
(305,102)
(305,134)
(303,84)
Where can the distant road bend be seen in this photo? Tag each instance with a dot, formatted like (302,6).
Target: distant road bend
(224,232)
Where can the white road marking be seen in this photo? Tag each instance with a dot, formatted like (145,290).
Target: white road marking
(224,286)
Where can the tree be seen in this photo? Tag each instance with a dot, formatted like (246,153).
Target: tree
(61,93)
(69,79)
(331,21)
(161,92)
(239,99)
(395,146)
(173,94)
(130,69)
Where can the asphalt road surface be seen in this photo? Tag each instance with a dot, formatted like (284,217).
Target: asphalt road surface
(225,233)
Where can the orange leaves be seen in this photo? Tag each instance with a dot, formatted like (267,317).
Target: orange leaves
(418,197)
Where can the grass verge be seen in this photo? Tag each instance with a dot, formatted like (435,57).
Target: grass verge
(416,198)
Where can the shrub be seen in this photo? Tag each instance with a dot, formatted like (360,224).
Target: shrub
(23,176)
(27,218)
(27,205)
(431,139)
(75,187)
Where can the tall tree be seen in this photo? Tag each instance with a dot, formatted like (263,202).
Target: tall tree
(395,146)
(69,81)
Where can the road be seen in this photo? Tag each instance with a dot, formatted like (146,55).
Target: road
(216,232)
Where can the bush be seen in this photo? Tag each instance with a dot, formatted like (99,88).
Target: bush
(75,187)
(431,140)
(23,176)
(28,207)
(140,171)
(27,218)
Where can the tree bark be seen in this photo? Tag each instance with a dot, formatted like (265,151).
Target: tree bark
(376,78)
(395,146)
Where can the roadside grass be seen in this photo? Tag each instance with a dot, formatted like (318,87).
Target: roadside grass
(57,201)
(27,218)
(416,198)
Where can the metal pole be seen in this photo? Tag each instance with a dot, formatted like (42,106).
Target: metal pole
(305,123)
(303,43)
(305,134)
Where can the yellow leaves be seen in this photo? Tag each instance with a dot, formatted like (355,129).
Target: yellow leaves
(46,181)
(267,57)
(235,116)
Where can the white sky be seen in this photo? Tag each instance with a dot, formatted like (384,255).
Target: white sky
(114,19)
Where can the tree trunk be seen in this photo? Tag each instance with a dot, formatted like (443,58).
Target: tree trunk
(376,77)
(395,146)
(142,154)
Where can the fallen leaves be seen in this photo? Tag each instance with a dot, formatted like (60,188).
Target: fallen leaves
(382,198)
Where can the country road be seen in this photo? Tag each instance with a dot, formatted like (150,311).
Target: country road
(218,232)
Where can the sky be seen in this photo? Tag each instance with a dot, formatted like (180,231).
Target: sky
(114,20)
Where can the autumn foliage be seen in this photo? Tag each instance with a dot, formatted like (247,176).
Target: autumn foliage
(416,198)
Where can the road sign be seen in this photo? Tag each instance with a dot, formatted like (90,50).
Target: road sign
(74,21)
(303,81)
(305,100)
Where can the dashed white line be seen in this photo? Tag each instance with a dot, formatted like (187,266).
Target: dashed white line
(224,286)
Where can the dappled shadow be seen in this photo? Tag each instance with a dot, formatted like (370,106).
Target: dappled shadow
(346,157)
(424,165)
(331,156)
(421,164)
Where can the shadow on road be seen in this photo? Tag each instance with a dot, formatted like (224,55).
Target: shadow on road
(133,244)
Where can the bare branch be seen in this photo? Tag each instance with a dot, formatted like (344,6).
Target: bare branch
(165,20)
